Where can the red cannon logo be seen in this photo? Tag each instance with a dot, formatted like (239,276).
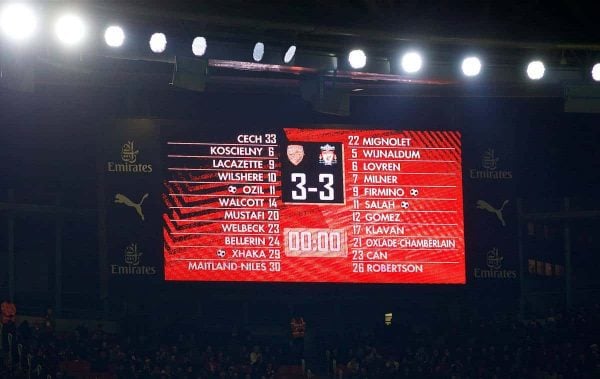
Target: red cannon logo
(295,154)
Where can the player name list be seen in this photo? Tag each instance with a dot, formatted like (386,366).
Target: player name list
(401,204)
(225,204)
(406,204)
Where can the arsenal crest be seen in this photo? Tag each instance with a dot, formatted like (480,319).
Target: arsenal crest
(295,154)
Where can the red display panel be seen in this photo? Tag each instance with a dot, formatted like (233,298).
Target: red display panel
(316,205)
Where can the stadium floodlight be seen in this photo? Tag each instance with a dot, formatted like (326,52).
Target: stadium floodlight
(289,54)
(411,62)
(596,72)
(199,46)
(536,70)
(259,52)
(471,66)
(70,29)
(357,59)
(18,21)
(114,36)
(158,43)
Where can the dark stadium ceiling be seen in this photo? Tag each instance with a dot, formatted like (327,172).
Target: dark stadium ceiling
(519,21)
(564,34)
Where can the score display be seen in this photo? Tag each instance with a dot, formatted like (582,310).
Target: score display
(316,205)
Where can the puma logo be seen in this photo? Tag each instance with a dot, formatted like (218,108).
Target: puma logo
(122,199)
(481,204)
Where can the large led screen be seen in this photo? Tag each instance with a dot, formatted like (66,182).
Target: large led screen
(315,205)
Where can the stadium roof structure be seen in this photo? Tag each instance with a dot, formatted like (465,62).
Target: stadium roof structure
(505,36)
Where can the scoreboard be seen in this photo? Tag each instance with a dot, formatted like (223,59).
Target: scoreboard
(315,205)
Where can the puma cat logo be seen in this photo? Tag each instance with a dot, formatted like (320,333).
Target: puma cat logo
(122,199)
(481,204)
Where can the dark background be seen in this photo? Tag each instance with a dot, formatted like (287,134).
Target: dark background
(49,139)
